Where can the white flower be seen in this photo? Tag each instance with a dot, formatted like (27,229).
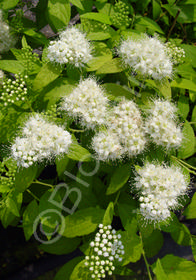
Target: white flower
(72,47)
(6,39)
(125,121)
(146,56)
(40,140)
(161,125)
(87,102)
(105,256)
(160,188)
(107,146)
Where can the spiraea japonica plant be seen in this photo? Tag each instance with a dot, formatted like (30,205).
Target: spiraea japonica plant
(106,102)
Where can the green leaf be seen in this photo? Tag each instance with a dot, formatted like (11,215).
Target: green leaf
(124,271)
(12,206)
(119,178)
(187,148)
(12,66)
(50,213)
(181,235)
(77,3)
(83,222)
(65,271)
(183,105)
(61,164)
(184,83)
(190,211)
(117,90)
(7,216)
(48,73)
(193,246)
(148,23)
(8,4)
(59,13)
(132,244)
(54,92)
(155,237)
(177,268)
(62,246)
(108,216)
(190,52)
(80,272)
(36,36)
(29,217)
(159,272)
(103,18)
(156,9)
(112,66)
(24,178)
(97,62)
(127,212)
(77,152)
(193,118)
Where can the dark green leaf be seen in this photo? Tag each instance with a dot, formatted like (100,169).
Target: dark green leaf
(83,222)
(29,216)
(65,271)
(62,246)
(119,178)
(187,148)
(24,178)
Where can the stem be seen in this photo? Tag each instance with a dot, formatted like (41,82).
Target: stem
(117,197)
(33,195)
(173,25)
(185,165)
(146,262)
(76,130)
(44,184)
(114,277)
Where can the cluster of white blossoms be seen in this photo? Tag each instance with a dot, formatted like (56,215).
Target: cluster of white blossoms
(6,39)
(160,188)
(161,125)
(72,47)
(13,90)
(126,122)
(147,57)
(107,146)
(176,54)
(88,103)
(40,140)
(106,249)
(124,134)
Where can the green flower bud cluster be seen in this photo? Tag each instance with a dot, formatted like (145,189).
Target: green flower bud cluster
(176,54)
(51,113)
(29,58)
(121,15)
(94,26)
(8,169)
(13,90)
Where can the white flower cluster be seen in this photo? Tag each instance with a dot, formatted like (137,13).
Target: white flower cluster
(6,39)
(87,102)
(72,47)
(40,140)
(13,90)
(161,125)
(105,250)
(124,136)
(160,188)
(107,146)
(147,57)
(176,54)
